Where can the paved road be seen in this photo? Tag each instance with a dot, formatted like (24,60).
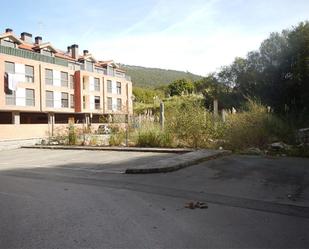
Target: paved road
(69,199)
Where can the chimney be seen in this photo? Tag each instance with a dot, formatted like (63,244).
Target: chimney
(85,52)
(8,30)
(69,50)
(74,48)
(26,37)
(38,40)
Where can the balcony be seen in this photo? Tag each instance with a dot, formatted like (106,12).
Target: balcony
(109,72)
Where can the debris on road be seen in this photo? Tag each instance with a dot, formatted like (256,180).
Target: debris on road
(197,204)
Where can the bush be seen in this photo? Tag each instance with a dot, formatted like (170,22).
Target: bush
(193,125)
(255,127)
(151,135)
(72,136)
(117,138)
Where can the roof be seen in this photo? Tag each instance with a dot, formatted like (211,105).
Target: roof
(88,57)
(45,45)
(11,36)
(64,56)
(110,62)
(26,46)
(58,53)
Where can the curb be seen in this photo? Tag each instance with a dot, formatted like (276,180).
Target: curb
(180,162)
(129,149)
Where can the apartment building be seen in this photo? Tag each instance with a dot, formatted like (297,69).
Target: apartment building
(44,85)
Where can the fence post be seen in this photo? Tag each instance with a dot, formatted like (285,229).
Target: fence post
(215,108)
(127,129)
(162,115)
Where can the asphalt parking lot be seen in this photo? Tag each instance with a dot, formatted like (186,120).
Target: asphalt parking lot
(92,161)
(80,199)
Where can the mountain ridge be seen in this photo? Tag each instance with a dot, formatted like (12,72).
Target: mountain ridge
(150,77)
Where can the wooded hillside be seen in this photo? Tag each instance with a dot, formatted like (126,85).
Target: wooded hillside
(154,77)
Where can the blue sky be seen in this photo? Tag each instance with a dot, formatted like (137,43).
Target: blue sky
(198,36)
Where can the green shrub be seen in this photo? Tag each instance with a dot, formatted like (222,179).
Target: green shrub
(151,135)
(117,138)
(72,135)
(254,127)
(193,125)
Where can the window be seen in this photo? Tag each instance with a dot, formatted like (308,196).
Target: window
(97,102)
(46,52)
(84,102)
(110,71)
(48,77)
(72,101)
(119,104)
(119,74)
(109,86)
(74,66)
(89,66)
(9,67)
(71,81)
(30,97)
(109,104)
(64,79)
(29,74)
(118,87)
(65,100)
(8,43)
(99,70)
(84,83)
(96,84)
(10,98)
(49,99)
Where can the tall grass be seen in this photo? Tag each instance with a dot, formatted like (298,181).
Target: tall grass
(192,125)
(189,124)
(255,127)
(151,135)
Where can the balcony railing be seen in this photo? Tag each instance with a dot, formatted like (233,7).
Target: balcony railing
(54,60)
(10,99)
(32,55)
(109,72)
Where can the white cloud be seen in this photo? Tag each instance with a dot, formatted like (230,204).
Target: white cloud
(199,55)
(199,36)
(191,43)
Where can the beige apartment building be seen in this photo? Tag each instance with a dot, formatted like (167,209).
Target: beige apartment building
(43,86)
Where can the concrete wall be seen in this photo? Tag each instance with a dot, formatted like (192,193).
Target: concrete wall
(23,131)
(30,131)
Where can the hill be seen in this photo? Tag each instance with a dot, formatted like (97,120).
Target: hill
(154,77)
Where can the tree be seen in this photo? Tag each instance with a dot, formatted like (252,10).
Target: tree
(212,89)
(277,74)
(146,95)
(180,87)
